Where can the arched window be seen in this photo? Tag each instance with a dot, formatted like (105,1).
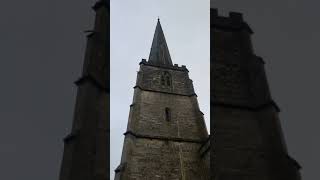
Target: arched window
(163,83)
(166,79)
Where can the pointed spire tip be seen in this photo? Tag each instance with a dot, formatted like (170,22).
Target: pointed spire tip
(159,53)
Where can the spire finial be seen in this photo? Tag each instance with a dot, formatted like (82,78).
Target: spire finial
(158,18)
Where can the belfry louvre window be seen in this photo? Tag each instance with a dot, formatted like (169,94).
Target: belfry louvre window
(168,114)
(166,79)
(162,81)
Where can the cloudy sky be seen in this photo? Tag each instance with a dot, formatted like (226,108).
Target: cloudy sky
(287,37)
(42,50)
(186,27)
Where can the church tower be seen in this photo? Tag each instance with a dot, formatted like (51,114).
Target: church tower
(247,141)
(166,128)
(86,149)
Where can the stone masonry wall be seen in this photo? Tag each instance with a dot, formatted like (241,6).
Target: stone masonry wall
(166,130)
(148,116)
(149,78)
(162,160)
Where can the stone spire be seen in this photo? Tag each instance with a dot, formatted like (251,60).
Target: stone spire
(159,54)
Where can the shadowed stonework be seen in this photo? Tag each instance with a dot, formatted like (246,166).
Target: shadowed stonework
(247,141)
(86,150)
(166,131)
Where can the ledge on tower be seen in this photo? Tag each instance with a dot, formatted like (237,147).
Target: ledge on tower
(233,22)
(205,147)
(120,168)
(174,67)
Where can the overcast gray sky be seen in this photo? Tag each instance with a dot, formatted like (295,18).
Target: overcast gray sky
(287,37)
(186,27)
(41,54)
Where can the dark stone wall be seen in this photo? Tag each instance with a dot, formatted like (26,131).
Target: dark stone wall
(249,144)
(247,141)
(238,74)
(96,64)
(86,150)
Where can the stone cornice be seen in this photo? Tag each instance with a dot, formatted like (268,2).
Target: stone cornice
(92,80)
(70,137)
(189,95)
(205,147)
(175,67)
(176,139)
(248,107)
